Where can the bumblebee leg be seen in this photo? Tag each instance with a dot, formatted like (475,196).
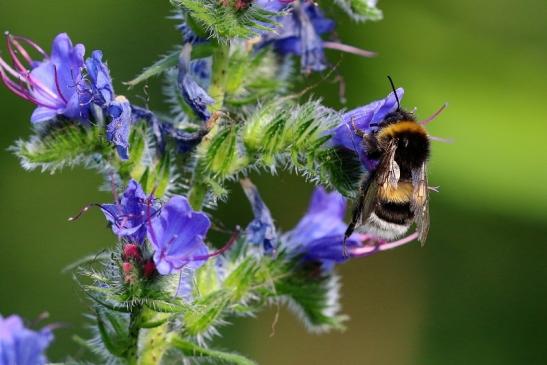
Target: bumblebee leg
(356,215)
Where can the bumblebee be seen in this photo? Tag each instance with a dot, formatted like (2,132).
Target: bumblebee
(394,195)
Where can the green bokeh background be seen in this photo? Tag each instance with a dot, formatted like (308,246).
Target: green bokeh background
(475,294)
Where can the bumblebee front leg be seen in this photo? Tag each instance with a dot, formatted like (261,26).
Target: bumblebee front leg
(356,216)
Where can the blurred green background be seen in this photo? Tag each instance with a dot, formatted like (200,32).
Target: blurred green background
(475,294)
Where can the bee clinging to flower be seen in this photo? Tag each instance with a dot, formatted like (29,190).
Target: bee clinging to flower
(394,192)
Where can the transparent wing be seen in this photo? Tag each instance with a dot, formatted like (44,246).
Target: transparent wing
(420,202)
(388,172)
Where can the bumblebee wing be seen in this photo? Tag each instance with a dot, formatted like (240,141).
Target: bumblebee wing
(420,202)
(369,193)
(388,172)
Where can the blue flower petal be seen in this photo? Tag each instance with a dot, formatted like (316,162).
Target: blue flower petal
(20,345)
(176,235)
(117,131)
(366,119)
(101,81)
(261,230)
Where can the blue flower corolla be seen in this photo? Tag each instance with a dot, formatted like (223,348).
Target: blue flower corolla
(55,84)
(20,345)
(365,119)
(261,230)
(101,82)
(300,34)
(130,213)
(118,130)
(273,5)
(319,236)
(193,94)
(177,235)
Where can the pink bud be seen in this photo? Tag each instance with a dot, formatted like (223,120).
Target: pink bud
(131,252)
(149,268)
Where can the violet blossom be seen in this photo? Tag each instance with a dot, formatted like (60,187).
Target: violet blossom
(20,345)
(261,230)
(193,94)
(55,83)
(319,236)
(129,214)
(177,235)
(300,33)
(365,119)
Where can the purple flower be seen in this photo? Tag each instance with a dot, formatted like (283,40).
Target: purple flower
(261,230)
(365,119)
(273,5)
(54,84)
(117,131)
(193,94)
(176,235)
(101,82)
(20,345)
(319,235)
(300,34)
(130,213)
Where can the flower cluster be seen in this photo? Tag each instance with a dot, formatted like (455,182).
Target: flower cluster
(166,286)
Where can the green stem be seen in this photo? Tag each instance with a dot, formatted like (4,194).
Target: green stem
(154,345)
(134,326)
(217,91)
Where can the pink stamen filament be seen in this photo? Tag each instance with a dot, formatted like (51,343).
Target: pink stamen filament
(13,55)
(349,49)
(434,115)
(33,45)
(221,250)
(22,51)
(368,250)
(57,85)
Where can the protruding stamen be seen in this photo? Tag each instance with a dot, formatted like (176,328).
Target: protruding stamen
(349,49)
(13,54)
(434,115)
(82,211)
(32,44)
(381,245)
(57,84)
(22,51)
(220,251)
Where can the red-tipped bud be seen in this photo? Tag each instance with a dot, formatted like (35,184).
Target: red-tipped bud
(127,267)
(149,269)
(131,252)
(128,273)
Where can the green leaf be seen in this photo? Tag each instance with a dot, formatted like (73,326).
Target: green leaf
(168,61)
(64,145)
(316,295)
(191,349)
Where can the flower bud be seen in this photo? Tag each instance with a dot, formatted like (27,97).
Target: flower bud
(149,269)
(131,251)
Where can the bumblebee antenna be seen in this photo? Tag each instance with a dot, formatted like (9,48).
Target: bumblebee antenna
(394,92)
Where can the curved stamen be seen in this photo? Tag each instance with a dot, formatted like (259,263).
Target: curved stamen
(220,251)
(37,85)
(82,211)
(13,54)
(382,246)
(57,84)
(349,49)
(22,51)
(32,44)
(13,87)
